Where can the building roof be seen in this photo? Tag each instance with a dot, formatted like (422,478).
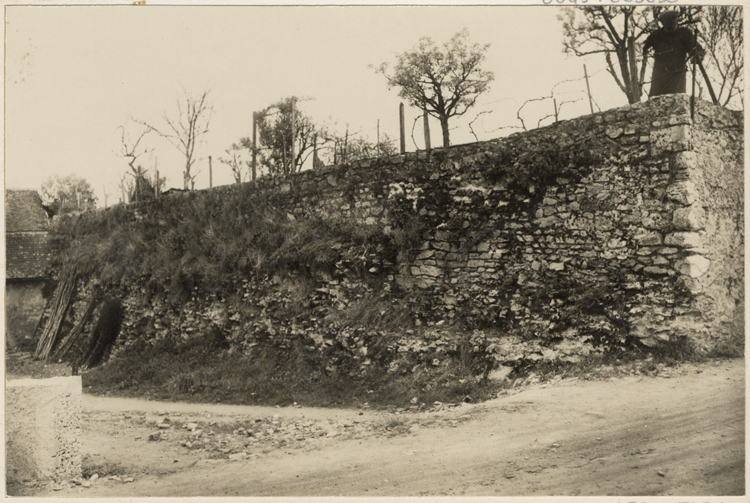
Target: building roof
(27,255)
(24,212)
(27,250)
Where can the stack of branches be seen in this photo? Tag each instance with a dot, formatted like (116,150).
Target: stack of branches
(70,341)
(61,303)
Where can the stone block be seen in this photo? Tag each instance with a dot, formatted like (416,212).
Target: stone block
(656,271)
(432,271)
(43,429)
(649,239)
(683,192)
(547,221)
(441,245)
(692,218)
(684,161)
(670,139)
(683,239)
(614,132)
(694,266)
(425,255)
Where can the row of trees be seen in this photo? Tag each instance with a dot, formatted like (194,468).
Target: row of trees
(444,81)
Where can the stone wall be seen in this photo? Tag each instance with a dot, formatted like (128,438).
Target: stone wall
(637,212)
(24,305)
(593,233)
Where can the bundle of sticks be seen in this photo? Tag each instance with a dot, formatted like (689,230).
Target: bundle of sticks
(60,304)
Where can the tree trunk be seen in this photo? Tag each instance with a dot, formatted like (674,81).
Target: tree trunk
(186,177)
(446,132)
(627,81)
(635,86)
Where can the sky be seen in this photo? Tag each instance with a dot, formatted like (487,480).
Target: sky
(75,75)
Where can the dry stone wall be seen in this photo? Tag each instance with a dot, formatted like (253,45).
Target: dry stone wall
(627,223)
(623,227)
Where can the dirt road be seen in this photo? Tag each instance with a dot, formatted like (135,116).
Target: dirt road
(678,433)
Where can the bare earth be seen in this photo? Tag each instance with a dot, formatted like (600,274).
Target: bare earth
(680,432)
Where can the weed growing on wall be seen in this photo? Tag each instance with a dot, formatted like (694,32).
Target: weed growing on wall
(533,168)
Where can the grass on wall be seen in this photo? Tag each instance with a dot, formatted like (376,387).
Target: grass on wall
(209,239)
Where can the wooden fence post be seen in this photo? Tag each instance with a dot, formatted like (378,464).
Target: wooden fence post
(588,89)
(255,136)
(345,152)
(401,123)
(294,133)
(377,145)
(634,84)
(554,103)
(427,143)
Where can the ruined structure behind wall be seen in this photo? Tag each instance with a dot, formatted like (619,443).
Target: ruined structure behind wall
(595,232)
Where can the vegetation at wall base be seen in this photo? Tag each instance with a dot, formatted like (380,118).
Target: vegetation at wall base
(203,370)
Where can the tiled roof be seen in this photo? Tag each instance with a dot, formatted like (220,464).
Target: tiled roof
(27,255)
(27,250)
(24,212)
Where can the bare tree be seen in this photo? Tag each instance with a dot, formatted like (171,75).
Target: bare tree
(132,150)
(721,34)
(185,131)
(235,162)
(615,30)
(443,81)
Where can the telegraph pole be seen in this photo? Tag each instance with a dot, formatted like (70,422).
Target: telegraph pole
(210,174)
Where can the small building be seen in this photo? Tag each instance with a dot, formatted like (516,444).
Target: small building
(27,254)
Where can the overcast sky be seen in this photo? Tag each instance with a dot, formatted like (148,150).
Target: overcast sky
(74,74)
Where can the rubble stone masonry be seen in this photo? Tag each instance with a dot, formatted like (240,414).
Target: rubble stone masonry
(654,216)
(620,226)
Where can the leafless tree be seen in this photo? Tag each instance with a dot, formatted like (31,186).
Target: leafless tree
(615,30)
(185,130)
(721,34)
(235,162)
(132,150)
